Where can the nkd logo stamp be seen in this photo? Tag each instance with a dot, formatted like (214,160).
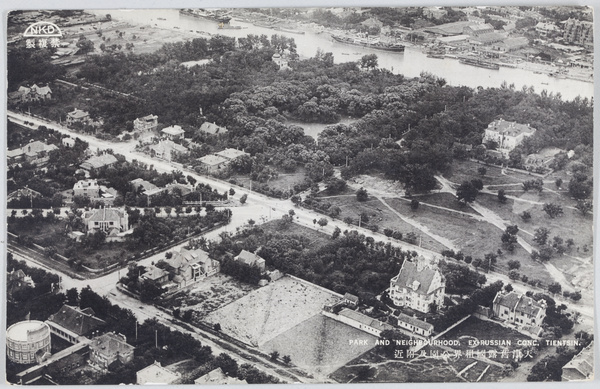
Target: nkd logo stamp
(42,34)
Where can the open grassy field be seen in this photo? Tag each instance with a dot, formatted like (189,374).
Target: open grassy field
(209,295)
(316,238)
(446,200)
(381,216)
(320,345)
(467,170)
(472,236)
(270,311)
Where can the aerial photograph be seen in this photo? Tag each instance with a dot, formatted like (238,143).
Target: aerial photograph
(306,195)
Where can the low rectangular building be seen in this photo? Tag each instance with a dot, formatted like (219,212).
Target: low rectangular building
(414,325)
(211,164)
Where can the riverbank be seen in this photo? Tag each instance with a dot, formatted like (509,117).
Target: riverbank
(262,20)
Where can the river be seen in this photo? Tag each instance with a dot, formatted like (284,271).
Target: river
(410,63)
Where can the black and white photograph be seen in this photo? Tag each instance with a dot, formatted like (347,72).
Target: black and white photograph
(298,194)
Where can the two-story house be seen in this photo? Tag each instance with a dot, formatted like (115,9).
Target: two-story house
(521,310)
(507,135)
(418,285)
(146,123)
(188,266)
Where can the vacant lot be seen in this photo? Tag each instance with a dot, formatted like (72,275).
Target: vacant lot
(320,345)
(270,311)
(209,295)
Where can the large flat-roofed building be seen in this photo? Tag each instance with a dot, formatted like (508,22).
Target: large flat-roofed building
(507,135)
(27,342)
(109,348)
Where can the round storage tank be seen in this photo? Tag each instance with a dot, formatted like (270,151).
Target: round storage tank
(25,339)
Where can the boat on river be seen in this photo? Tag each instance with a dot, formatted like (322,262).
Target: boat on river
(291,31)
(215,16)
(479,63)
(372,44)
(440,54)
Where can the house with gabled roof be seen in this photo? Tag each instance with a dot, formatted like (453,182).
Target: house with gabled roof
(212,128)
(520,310)
(78,116)
(251,259)
(109,220)
(99,161)
(418,285)
(156,374)
(158,276)
(414,325)
(73,324)
(34,152)
(167,149)
(351,299)
(188,266)
(360,321)
(581,367)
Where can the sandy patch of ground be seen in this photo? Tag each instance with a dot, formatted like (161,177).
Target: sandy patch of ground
(270,311)
(320,345)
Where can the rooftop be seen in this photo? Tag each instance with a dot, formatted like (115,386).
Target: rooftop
(212,160)
(99,161)
(212,128)
(104,214)
(173,130)
(249,258)
(364,319)
(415,322)
(510,128)
(156,374)
(217,377)
(78,114)
(20,331)
(110,345)
(231,153)
(519,303)
(80,322)
(411,277)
